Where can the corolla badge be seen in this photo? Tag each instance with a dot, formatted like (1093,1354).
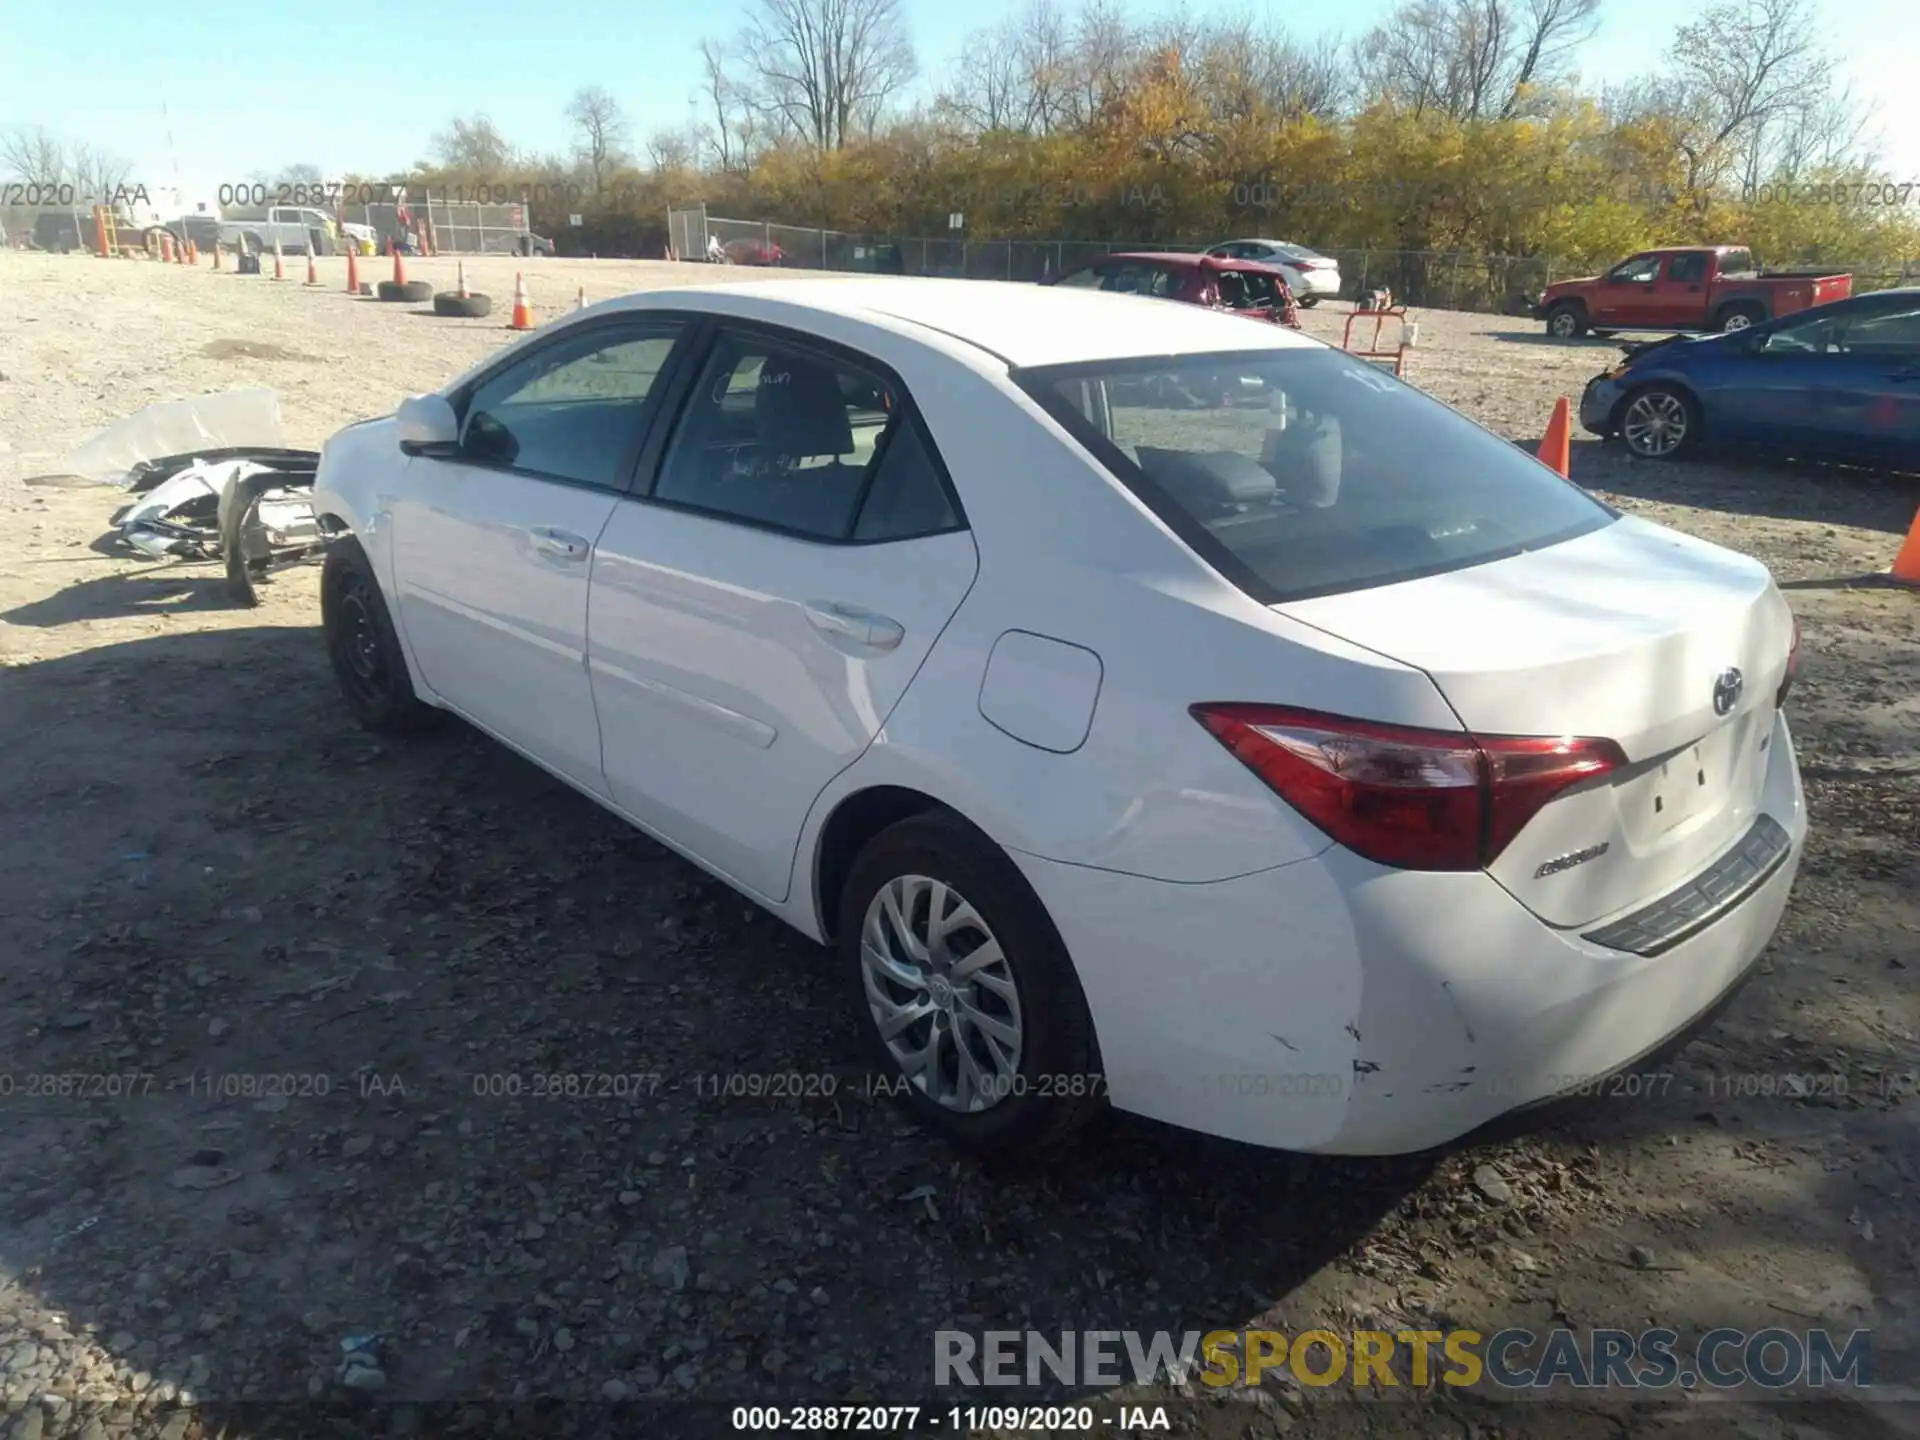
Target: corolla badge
(1567,862)
(1726,691)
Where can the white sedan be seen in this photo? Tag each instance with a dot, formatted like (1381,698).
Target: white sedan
(1311,276)
(1150,708)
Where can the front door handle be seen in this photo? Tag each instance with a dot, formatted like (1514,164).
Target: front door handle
(850,622)
(563,544)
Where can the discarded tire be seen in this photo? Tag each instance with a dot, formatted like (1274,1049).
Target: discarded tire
(411,290)
(469,306)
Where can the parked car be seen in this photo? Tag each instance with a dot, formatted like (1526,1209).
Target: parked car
(1246,287)
(1310,275)
(531,244)
(1686,287)
(1298,761)
(1840,381)
(298,229)
(754,252)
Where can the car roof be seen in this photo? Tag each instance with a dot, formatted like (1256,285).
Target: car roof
(1020,324)
(1186,260)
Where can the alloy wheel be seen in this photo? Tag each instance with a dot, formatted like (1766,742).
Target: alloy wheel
(942,994)
(1656,423)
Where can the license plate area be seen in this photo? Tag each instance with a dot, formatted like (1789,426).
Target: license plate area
(1689,783)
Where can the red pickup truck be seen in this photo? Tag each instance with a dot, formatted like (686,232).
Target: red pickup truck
(1685,287)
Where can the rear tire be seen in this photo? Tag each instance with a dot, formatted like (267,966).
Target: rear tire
(1010,1058)
(470,307)
(1567,321)
(363,649)
(1738,317)
(412,290)
(1306,302)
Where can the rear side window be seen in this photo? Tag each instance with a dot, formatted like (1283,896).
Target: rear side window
(786,437)
(1302,472)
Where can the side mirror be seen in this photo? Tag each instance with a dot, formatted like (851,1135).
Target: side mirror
(427,425)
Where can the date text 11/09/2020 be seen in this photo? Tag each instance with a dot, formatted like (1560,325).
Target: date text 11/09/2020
(961,1419)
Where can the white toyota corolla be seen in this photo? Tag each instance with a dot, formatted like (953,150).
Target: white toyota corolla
(1150,707)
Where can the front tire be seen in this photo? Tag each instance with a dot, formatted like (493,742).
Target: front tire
(1567,322)
(1306,302)
(967,999)
(1659,422)
(363,649)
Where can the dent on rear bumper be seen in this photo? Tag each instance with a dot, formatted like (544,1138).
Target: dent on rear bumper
(1337,1006)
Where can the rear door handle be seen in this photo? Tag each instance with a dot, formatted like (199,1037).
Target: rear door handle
(850,622)
(563,544)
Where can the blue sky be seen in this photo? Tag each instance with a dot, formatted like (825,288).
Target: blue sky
(251,87)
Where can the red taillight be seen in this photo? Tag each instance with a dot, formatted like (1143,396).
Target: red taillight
(1415,799)
(1793,666)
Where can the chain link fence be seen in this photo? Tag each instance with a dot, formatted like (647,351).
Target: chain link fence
(459,227)
(1438,279)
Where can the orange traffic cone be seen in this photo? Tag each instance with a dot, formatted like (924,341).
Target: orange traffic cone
(1906,565)
(313,270)
(166,247)
(1557,448)
(353,271)
(460,279)
(522,312)
(179,252)
(580,298)
(399,266)
(279,265)
(193,254)
(216,255)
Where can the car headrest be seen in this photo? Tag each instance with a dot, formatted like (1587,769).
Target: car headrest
(1217,479)
(798,411)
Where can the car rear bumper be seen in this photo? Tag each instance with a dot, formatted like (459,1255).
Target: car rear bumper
(1318,283)
(1337,1006)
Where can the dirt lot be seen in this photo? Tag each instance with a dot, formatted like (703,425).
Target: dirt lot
(210,875)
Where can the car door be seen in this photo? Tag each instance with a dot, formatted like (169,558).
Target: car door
(1678,299)
(1771,384)
(1623,295)
(757,614)
(493,544)
(1867,403)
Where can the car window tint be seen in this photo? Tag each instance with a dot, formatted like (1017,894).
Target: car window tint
(1687,269)
(1890,332)
(571,408)
(1128,279)
(906,498)
(1641,270)
(1164,282)
(1308,472)
(779,436)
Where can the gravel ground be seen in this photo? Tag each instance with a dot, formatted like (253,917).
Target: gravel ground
(211,877)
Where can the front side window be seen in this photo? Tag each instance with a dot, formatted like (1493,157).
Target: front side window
(570,410)
(1892,331)
(1641,270)
(1300,472)
(781,436)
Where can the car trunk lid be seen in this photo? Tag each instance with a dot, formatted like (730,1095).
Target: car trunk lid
(1630,633)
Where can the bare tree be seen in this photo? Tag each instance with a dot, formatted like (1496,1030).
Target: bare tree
(100,173)
(35,157)
(1105,51)
(601,128)
(1750,90)
(1244,70)
(824,69)
(1472,59)
(1018,76)
(474,145)
(672,149)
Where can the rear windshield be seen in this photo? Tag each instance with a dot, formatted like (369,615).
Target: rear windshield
(1303,472)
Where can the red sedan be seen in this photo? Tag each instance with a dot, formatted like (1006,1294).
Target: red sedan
(1245,287)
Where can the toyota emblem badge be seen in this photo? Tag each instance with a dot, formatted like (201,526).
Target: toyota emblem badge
(1726,692)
